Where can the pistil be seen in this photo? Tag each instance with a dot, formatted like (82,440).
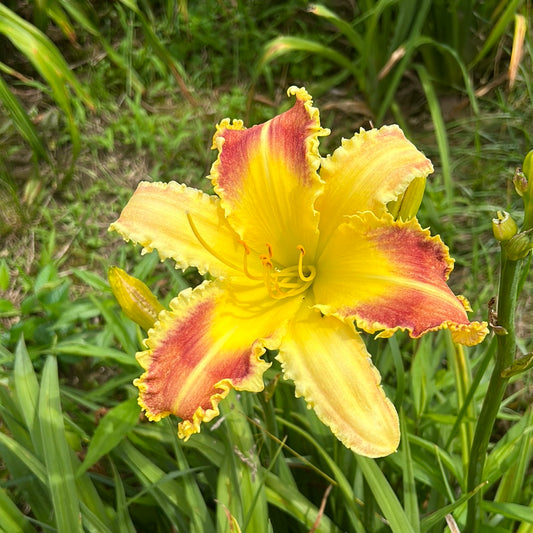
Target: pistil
(280,283)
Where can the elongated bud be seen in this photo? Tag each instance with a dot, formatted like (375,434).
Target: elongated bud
(407,204)
(135,298)
(504,227)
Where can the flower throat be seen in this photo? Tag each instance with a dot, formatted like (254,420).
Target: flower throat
(280,282)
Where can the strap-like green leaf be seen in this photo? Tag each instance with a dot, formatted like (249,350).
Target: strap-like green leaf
(57,453)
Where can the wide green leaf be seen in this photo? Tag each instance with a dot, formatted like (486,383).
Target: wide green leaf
(111,429)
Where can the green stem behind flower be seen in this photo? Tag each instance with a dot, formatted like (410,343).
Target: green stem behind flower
(506,347)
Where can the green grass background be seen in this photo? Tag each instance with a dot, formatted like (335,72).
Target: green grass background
(96,96)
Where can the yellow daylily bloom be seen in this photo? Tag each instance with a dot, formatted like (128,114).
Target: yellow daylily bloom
(301,251)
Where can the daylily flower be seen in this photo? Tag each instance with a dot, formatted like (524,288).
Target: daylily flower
(297,260)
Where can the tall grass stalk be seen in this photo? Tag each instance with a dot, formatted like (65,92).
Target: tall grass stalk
(513,269)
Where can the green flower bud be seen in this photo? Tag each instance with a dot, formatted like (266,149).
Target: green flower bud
(135,298)
(407,204)
(527,195)
(519,246)
(520,182)
(504,227)
(519,365)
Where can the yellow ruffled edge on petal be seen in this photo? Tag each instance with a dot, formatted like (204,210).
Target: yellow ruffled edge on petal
(455,319)
(468,334)
(218,140)
(367,172)
(251,381)
(187,428)
(313,155)
(465,302)
(267,181)
(331,357)
(371,221)
(172,236)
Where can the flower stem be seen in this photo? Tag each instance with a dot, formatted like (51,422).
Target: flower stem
(505,353)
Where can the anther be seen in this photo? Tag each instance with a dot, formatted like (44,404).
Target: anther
(312,272)
(246,249)
(266,262)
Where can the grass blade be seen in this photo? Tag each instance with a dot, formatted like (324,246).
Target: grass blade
(89,350)
(385,496)
(409,485)
(164,489)
(240,482)
(438,516)
(440,131)
(113,427)
(49,62)
(340,479)
(11,518)
(123,517)
(521,513)
(497,30)
(344,27)
(295,504)
(193,495)
(22,121)
(26,386)
(57,454)
(286,45)
(511,484)
(24,456)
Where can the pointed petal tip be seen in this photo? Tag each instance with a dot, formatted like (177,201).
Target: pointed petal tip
(300,93)
(186,427)
(260,168)
(303,96)
(332,370)
(468,334)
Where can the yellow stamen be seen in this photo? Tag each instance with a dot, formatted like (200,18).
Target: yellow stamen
(287,282)
(207,247)
(283,283)
(312,271)
(245,263)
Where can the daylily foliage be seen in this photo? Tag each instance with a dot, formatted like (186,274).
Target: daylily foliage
(301,251)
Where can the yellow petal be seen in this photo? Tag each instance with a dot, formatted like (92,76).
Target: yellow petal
(211,340)
(331,369)
(266,178)
(390,275)
(366,173)
(156,218)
